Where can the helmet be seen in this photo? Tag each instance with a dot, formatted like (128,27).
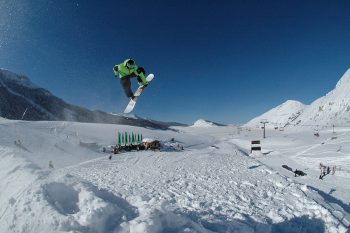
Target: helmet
(130,63)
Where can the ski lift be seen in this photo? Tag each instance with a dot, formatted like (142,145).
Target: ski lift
(334,134)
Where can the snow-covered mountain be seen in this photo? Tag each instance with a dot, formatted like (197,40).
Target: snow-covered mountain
(205,123)
(279,116)
(331,109)
(21,99)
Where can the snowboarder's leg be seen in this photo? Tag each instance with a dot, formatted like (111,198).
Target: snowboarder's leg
(139,80)
(126,84)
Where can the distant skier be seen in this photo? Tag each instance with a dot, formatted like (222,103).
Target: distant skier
(127,70)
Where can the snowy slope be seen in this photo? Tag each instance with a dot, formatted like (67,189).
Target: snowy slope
(19,79)
(211,186)
(279,116)
(302,150)
(205,123)
(333,108)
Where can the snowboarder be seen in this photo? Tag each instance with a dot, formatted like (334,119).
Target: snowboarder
(127,70)
(299,173)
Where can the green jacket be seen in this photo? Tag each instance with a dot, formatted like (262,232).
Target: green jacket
(125,72)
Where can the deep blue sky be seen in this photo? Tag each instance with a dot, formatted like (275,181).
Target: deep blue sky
(226,61)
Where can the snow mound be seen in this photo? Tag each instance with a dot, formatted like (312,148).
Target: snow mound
(204,123)
(56,204)
(88,208)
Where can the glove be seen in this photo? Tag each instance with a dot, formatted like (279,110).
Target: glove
(115,68)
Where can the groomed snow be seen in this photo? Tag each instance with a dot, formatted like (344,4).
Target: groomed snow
(211,186)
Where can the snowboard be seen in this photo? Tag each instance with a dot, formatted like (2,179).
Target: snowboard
(137,93)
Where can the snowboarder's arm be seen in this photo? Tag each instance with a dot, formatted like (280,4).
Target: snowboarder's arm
(143,78)
(140,73)
(116,70)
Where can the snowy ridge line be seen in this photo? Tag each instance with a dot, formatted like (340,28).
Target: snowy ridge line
(22,79)
(282,115)
(306,125)
(28,100)
(331,109)
(309,125)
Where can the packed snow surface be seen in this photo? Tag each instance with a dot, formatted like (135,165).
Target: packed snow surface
(54,178)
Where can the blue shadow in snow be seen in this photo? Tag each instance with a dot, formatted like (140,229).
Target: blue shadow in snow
(296,225)
(220,224)
(254,166)
(331,199)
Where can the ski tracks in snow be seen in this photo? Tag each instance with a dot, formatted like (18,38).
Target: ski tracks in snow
(199,190)
(207,190)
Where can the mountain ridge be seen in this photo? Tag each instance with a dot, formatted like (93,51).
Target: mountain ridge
(331,109)
(20,99)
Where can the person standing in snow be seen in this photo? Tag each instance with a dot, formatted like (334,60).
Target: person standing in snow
(127,70)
